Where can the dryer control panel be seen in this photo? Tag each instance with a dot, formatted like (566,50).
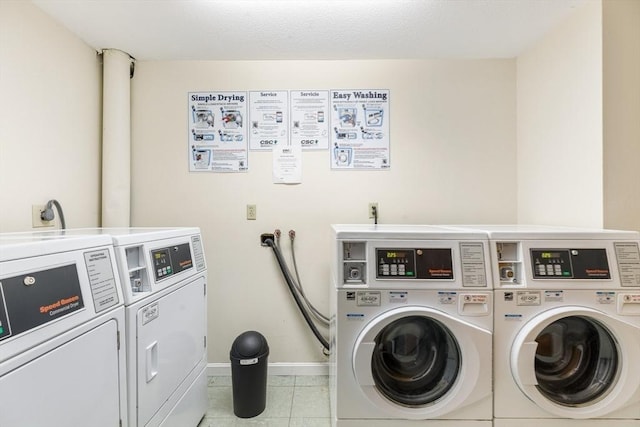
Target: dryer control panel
(32,299)
(151,260)
(171,260)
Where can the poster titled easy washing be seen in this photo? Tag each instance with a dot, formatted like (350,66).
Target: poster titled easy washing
(217,133)
(360,134)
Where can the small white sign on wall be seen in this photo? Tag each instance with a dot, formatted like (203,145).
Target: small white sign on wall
(287,164)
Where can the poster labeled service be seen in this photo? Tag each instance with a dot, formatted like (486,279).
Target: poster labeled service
(217,132)
(310,119)
(360,134)
(269,119)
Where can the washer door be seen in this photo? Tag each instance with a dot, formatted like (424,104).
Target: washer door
(572,362)
(417,362)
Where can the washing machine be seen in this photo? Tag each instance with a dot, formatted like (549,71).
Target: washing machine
(62,324)
(411,327)
(567,326)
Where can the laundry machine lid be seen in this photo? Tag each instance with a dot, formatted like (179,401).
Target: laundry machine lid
(405,232)
(31,244)
(548,232)
(576,362)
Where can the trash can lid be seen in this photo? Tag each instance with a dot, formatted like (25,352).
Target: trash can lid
(249,344)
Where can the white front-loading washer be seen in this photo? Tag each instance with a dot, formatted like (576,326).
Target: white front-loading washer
(62,323)
(411,327)
(567,326)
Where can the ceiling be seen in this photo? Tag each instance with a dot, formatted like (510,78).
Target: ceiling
(310,29)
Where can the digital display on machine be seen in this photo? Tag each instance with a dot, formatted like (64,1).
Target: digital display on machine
(171,260)
(419,263)
(570,264)
(551,255)
(395,254)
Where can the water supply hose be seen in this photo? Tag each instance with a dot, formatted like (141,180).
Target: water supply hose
(298,284)
(296,297)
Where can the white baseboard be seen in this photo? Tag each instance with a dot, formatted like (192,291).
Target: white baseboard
(279,368)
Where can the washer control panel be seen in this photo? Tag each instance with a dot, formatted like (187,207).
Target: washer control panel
(570,264)
(414,263)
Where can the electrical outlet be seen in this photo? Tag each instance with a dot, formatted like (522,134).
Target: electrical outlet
(373,206)
(36,221)
(251,212)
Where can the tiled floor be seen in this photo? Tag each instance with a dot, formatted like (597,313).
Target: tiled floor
(292,401)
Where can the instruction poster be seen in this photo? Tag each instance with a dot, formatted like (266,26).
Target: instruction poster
(310,118)
(217,133)
(269,119)
(360,136)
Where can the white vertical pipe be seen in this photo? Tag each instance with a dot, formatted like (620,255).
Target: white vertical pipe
(116,139)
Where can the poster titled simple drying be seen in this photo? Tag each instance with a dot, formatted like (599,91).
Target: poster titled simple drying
(217,133)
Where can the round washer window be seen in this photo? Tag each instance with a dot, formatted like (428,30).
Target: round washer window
(576,361)
(416,361)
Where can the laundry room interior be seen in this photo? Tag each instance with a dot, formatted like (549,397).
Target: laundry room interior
(548,134)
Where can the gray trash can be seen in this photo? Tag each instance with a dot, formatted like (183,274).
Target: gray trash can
(249,354)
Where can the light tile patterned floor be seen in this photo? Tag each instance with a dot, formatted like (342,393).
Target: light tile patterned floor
(292,401)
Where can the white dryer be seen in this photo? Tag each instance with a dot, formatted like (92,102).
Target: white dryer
(62,322)
(164,277)
(411,327)
(567,326)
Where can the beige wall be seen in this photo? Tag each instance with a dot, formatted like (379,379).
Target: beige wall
(458,152)
(559,93)
(452,161)
(50,84)
(621,35)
